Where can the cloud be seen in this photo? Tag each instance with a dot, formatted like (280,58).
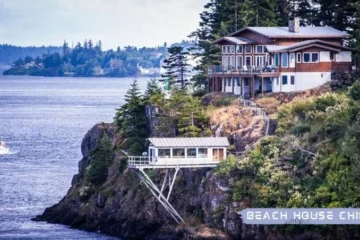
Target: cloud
(115,22)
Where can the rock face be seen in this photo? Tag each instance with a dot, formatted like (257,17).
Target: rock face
(124,207)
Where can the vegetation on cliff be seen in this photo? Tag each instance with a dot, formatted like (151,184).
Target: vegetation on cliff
(312,161)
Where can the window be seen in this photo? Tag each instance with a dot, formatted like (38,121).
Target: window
(224,62)
(248,60)
(259,60)
(178,152)
(298,58)
(223,49)
(284,80)
(239,62)
(314,57)
(239,49)
(332,56)
(292,80)
(202,153)
(164,153)
(232,48)
(306,57)
(259,49)
(238,82)
(292,60)
(228,49)
(218,154)
(229,82)
(284,60)
(276,59)
(191,152)
(248,49)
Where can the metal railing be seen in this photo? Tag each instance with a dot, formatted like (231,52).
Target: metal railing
(141,161)
(246,69)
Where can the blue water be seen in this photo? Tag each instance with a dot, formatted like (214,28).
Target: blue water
(43,121)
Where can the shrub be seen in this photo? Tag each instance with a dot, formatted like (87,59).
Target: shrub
(102,158)
(354,91)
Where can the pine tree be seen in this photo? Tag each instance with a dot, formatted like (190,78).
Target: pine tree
(102,158)
(176,66)
(152,89)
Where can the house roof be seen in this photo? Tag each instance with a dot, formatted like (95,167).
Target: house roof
(235,40)
(304,32)
(190,142)
(306,44)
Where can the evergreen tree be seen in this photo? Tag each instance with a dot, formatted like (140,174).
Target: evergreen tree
(176,66)
(152,89)
(102,158)
(131,119)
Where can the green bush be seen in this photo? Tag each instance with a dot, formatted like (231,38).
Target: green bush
(102,158)
(354,91)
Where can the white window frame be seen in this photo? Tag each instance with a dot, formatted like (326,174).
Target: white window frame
(287,60)
(303,58)
(292,77)
(239,66)
(239,47)
(262,47)
(279,57)
(262,60)
(250,48)
(224,49)
(248,56)
(228,47)
(297,57)
(318,57)
(292,63)
(282,80)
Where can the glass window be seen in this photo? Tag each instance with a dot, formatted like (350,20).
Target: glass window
(276,56)
(202,153)
(239,62)
(284,80)
(229,82)
(284,60)
(259,49)
(298,57)
(224,49)
(164,153)
(248,61)
(232,49)
(314,57)
(332,57)
(239,49)
(248,49)
(306,57)
(238,82)
(178,152)
(191,152)
(228,49)
(292,80)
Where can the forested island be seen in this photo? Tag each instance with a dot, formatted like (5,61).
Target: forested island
(90,60)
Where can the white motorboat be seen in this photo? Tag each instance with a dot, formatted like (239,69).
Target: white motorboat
(3,148)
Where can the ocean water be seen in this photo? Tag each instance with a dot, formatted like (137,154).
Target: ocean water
(43,121)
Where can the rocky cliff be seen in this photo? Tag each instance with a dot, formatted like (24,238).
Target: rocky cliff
(124,207)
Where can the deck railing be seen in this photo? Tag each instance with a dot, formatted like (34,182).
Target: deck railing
(143,161)
(217,69)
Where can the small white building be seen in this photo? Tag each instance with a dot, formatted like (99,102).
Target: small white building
(182,152)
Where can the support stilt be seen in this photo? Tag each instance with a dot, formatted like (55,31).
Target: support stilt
(158,194)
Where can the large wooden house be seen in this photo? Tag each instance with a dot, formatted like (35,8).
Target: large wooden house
(279,59)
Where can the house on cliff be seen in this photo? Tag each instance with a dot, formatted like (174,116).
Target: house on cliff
(279,59)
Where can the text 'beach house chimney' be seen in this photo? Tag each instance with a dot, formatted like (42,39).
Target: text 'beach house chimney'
(294,24)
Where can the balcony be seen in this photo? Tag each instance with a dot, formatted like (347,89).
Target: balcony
(245,71)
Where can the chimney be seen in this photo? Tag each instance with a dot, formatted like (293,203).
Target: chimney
(294,24)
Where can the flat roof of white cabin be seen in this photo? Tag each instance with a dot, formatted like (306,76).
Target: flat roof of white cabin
(189,142)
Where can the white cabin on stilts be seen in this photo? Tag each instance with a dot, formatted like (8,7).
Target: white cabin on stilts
(177,153)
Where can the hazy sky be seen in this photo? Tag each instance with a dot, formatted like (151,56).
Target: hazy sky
(114,22)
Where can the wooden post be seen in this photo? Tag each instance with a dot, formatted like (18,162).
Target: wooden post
(233,85)
(253,87)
